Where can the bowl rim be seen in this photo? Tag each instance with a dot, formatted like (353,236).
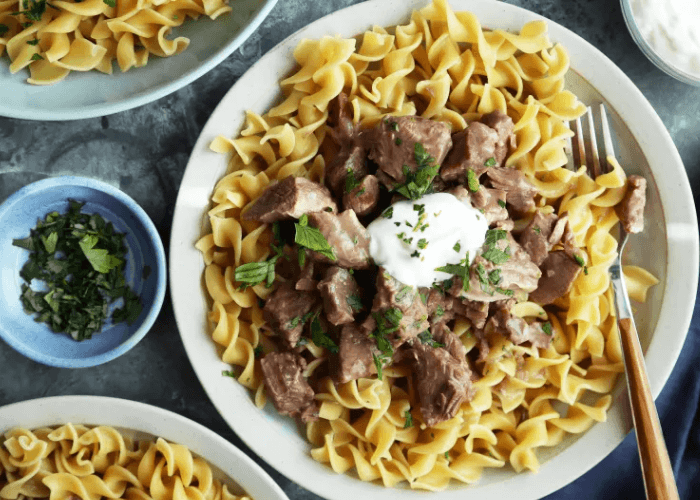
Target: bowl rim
(149,419)
(650,53)
(109,108)
(160,271)
(628,102)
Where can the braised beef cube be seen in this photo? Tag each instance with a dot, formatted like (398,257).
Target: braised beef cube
(520,194)
(364,197)
(393,145)
(450,342)
(349,161)
(442,382)
(516,329)
(631,209)
(535,237)
(347,237)
(439,305)
(305,280)
(355,350)
(412,315)
(504,127)
(343,129)
(290,198)
(474,148)
(286,386)
(559,271)
(475,312)
(491,202)
(284,309)
(341,295)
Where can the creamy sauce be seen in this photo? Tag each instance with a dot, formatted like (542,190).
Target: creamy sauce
(425,234)
(672,29)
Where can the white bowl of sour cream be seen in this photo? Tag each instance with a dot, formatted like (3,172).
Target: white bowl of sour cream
(668,32)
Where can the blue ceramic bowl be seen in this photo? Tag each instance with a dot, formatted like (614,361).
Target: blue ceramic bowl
(20,213)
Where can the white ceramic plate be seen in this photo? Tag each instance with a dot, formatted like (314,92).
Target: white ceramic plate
(229,464)
(668,248)
(89,94)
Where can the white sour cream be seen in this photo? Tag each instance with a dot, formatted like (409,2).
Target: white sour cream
(672,29)
(425,234)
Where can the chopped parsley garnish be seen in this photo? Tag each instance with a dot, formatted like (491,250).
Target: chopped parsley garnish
(37,57)
(427,339)
(312,238)
(354,302)
(394,126)
(491,252)
(547,328)
(409,419)
(495,277)
(320,338)
(579,260)
(491,162)
(422,243)
(472,181)
(32,42)
(439,311)
(228,373)
(388,213)
(457,247)
(461,270)
(419,182)
(423,297)
(81,258)
(386,324)
(378,364)
(33,9)
(537,229)
(360,192)
(111,3)
(258,351)
(398,141)
(501,203)
(420,208)
(502,291)
(415,254)
(351,181)
(405,290)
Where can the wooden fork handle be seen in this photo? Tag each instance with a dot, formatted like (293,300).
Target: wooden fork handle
(656,465)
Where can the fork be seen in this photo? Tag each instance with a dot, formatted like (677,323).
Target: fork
(659,482)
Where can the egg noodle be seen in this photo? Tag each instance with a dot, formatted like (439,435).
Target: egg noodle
(57,37)
(440,65)
(78,462)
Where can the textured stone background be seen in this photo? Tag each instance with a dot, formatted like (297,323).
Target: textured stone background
(144,151)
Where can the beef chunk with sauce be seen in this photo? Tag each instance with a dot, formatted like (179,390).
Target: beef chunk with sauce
(354,359)
(283,311)
(349,160)
(343,130)
(392,294)
(441,376)
(481,145)
(520,194)
(341,295)
(541,234)
(492,202)
(348,238)
(364,197)
(290,198)
(393,142)
(285,384)
(475,312)
(631,210)
(516,329)
(559,271)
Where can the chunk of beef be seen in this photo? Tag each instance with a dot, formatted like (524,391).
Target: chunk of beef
(439,305)
(475,312)
(350,159)
(516,329)
(339,290)
(354,359)
(473,147)
(285,384)
(348,238)
(520,194)
(486,200)
(343,130)
(559,271)
(283,311)
(392,294)
(305,280)
(364,197)
(631,209)
(504,127)
(442,381)
(290,198)
(450,342)
(393,142)
(541,234)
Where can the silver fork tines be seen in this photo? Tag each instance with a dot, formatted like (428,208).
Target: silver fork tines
(596,166)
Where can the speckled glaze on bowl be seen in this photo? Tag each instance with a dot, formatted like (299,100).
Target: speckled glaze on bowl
(19,214)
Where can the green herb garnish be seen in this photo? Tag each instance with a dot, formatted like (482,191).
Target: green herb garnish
(439,311)
(547,328)
(491,162)
(32,42)
(258,351)
(320,338)
(398,141)
(111,3)
(427,339)
(501,203)
(409,419)
(81,259)
(422,243)
(461,270)
(579,260)
(228,373)
(457,247)
(312,238)
(37,57)
(388,213)
(537,229)
(495,277)
(254,273)
(472,181)
(419,182)
(351,181)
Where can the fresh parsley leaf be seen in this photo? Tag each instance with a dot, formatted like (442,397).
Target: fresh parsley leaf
(378,364)
(419,182)
(502,291)
(494,235)
(427,339)
(34,9)
(547,328)
(491,162)
(409,419)
(312,238)
(457,247)
(254,273)
(495,277)
(461,270)
(501,203)
(258,351)
(100,259)
(579,260)
(405,290)
(351,181)
(50,242)
(422,243)
(472,181)
(481,274)
(537,229)
(32,42)
(37,57)
(111,3)
(388,213)
(439,311)
(320,338)
(228,373)
(398,141)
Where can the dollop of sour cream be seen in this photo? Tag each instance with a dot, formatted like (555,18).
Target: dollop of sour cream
(411,239)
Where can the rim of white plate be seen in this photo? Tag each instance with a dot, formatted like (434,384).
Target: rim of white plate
(144,418)
(262,431)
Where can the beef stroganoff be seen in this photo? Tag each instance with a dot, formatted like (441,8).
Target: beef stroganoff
(506,349)
(53,39)
(72,462)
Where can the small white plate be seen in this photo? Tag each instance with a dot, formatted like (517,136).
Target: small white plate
(89,94)
(668,248)
(229,464)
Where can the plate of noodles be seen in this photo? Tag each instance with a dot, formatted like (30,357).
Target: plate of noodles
(84,446)
(69,60)
(346,370)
